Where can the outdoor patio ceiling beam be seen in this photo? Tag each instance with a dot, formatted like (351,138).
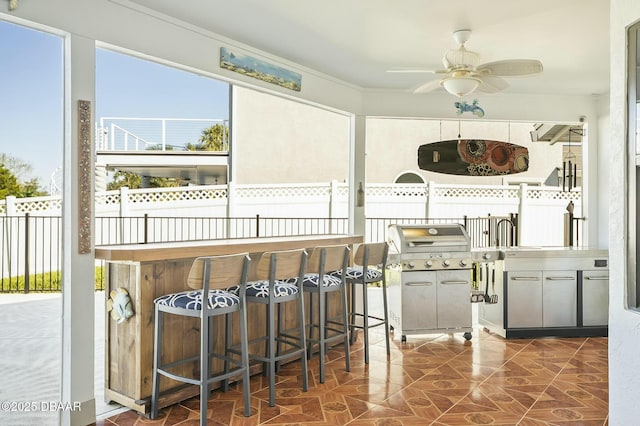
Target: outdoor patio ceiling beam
(559,135)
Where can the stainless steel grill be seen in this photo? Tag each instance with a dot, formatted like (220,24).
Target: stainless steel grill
(430,247)
(430,279)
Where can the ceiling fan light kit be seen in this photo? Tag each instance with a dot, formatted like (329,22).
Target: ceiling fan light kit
(460,86)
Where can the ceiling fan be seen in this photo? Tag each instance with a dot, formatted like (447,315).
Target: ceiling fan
(463,75)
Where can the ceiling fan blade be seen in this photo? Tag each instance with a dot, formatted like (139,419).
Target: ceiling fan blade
(428,87)
(491,84)
(511,67)
(415,71)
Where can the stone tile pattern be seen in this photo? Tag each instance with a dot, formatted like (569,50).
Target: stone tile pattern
(428,380)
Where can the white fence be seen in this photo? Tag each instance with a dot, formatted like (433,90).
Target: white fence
(541,210)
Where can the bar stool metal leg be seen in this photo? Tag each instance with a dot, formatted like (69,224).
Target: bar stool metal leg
(272,290)
(321,283)
(369,267)
(212,277)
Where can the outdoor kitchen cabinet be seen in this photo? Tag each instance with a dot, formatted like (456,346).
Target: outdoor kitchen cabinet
(595,298)
(559,298)
(524,300)
(552,291)
(542,299)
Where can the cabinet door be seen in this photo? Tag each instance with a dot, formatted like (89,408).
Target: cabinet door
(419,300)
(559,299)
(524,299)
(454,302)
(595,297)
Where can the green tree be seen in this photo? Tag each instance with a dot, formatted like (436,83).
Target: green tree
(19,168)
(32,188)
(212,138)
(8,183)
(128,179)
(11,183)
(134,181)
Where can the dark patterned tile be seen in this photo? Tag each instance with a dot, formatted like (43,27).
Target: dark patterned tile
(428,380)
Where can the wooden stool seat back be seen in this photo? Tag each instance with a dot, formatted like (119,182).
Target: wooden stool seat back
(228,271)
(290,263)
(373,254)
(335,258)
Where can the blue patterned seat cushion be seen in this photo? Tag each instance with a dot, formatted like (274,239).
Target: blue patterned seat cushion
(261,289)
(312,280)
(192,299)
(356,272)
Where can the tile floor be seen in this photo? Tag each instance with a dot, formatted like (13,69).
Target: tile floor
(429,380)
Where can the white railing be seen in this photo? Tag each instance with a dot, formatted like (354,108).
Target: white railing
(141,134)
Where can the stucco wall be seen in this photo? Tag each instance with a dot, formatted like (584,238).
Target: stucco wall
(278,140)
(624,325)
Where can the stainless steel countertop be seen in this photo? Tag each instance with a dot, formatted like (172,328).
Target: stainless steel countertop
(500,253)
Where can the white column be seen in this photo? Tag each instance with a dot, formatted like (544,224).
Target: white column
(231,206)
(590,194)
(431,194)
(357,174)
(78,269)
(10,206)
(522,215)
(334,205)
(124,201)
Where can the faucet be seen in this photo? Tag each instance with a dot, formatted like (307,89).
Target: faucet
(500,222)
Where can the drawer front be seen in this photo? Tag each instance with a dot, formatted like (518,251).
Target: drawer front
(559,299)
(595,298)
(524,304)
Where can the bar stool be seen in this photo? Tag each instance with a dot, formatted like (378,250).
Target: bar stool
(324,261)
(272,290)
(370,262)
(210,275)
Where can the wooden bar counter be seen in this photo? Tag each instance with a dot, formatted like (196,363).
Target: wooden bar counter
(148,271)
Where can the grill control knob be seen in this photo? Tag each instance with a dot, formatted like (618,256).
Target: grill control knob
(445,263)
(411,265)
(428,264)
(463,263)
(486,256)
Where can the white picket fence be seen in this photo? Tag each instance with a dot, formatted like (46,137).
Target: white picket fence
(541,210)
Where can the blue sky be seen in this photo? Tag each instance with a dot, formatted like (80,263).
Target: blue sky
(31,94)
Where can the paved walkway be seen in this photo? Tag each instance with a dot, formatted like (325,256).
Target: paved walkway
(30,356)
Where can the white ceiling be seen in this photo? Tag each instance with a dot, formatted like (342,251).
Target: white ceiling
(358,40)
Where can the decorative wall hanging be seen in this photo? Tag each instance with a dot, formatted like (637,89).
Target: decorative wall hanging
(473,157)
(474,108)
(119,304)
(257,68)
(85,172)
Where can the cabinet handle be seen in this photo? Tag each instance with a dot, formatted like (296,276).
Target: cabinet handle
(419,283)
(525,278)
(455,282)
(597,278)
(559,278)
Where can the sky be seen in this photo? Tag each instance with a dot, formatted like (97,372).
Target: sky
(31,95)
